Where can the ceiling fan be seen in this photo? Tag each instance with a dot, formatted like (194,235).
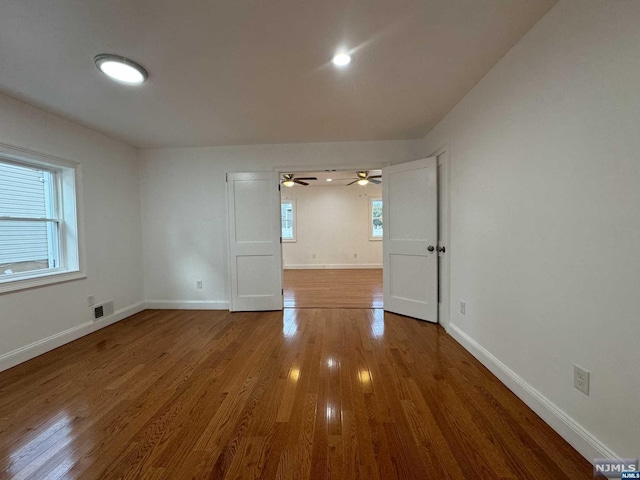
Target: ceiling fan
(289,179)
(363,178)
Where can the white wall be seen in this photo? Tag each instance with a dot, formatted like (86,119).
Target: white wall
(332,223)
(545,227)
(32,321)
(184,212)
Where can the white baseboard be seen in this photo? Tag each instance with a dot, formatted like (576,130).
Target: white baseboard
(574,433)
(337,266)
(22,354)
(187,305)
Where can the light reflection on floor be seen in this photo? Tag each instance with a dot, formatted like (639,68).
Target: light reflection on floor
(49,441)
(377,325)
(291,319)
(289,323)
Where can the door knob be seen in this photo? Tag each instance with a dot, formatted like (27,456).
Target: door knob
(441,249)
(431,248)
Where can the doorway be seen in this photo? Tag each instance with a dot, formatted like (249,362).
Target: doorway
(255,239)
(332,228)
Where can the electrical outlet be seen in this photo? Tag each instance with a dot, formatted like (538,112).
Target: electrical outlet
(198,284)
(581,379)
(313,255)
(463,307)
(355,255)
(91,301)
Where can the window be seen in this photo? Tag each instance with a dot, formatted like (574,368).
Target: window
(38,221)
(375,219)
(287,209)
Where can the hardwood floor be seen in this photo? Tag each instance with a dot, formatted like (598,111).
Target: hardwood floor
(325,288)
(299,394)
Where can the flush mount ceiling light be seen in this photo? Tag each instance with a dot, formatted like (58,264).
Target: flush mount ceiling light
(121,69)
(341,59)
(329,179)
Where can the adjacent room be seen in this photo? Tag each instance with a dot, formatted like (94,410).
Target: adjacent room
(313,240)
(332,239)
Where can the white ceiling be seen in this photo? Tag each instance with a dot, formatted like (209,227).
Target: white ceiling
(234,72)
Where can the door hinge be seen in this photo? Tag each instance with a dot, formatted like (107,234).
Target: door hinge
(226,177)
(280,239)
(282,291)
(278,187)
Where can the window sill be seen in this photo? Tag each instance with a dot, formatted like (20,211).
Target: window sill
(375,239)
(288,240)
(49,278)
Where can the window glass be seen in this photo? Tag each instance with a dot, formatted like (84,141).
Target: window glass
(288,227)
(376,219)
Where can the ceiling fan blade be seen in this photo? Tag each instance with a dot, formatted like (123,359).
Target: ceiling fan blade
(296,180)
(374,176)
(306,178)
(377,182)
(351,183)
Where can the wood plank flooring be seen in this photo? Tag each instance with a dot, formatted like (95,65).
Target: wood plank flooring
(326,288)
(299,394)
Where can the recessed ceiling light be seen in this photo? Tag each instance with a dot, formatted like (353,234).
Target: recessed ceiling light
(329,179)
(121,69)
(341,59)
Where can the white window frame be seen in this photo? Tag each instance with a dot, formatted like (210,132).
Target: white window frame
(373,237)
(67,177)
(294,219)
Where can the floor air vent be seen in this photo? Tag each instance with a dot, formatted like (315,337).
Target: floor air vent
(103,310)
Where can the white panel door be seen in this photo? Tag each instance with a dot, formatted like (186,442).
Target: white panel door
(255,252)
(410,237)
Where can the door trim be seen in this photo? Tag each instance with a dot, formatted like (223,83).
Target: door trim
(444,237)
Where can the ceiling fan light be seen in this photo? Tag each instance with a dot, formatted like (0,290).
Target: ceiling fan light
(363,181)
(288,183)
